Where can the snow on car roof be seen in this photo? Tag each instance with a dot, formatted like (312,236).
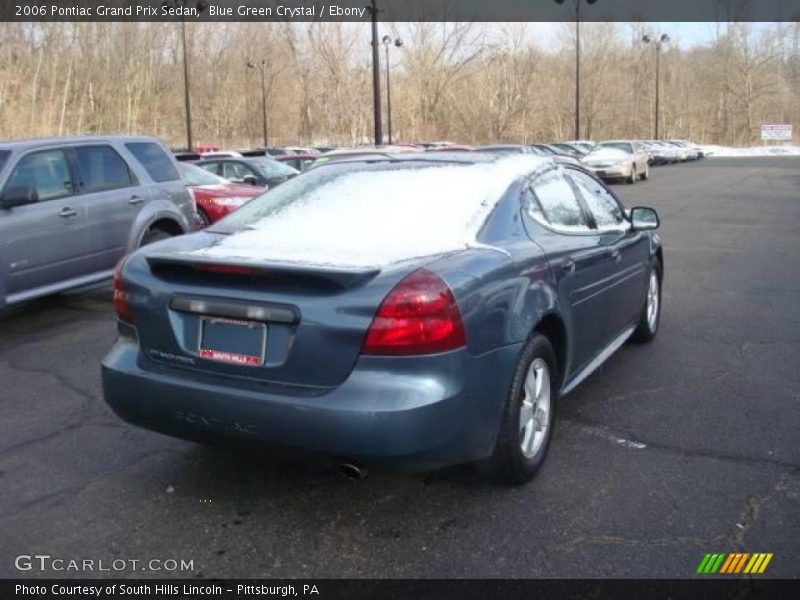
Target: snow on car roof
(371,217)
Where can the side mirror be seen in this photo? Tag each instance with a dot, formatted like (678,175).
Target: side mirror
(250,180)
(18,196)
(644,219)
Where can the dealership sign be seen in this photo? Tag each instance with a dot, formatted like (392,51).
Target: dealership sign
(776,133)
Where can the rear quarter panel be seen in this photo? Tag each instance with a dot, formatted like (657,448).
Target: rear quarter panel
(503,285)
(165,200)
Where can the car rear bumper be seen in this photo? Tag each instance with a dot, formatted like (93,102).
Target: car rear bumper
(410,412)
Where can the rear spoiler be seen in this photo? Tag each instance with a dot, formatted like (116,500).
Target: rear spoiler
(184,156)
(342,276)
(254,152)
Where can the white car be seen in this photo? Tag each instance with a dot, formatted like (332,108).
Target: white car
(688,149)
(623,159)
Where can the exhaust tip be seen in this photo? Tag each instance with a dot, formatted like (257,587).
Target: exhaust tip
(352,470)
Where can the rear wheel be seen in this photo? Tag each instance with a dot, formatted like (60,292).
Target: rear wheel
(647,328)
(646,173)
(527,426)
(632,177)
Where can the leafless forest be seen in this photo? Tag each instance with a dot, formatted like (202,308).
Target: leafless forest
(468,82)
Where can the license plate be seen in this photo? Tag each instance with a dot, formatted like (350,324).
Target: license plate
(235,342)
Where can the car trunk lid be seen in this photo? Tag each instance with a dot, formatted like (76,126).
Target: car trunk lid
(259,320)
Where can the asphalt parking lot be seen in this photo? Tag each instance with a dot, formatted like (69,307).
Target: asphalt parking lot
(685,446)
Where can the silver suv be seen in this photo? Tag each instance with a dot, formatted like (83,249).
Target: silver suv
(70,208)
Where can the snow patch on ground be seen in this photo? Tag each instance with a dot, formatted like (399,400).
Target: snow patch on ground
(377,217)
(728,151)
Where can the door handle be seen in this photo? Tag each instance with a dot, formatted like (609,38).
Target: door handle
(615,254)
(568,266)
(67,212)
(135,200)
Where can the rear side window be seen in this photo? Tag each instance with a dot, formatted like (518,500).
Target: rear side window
(155,161)
(212,167)
(45,172)
(236,171)
(101,168)
(557,202)
(604,207)
(3,157)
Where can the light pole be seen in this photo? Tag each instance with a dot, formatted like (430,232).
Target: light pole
(376,76)
(201,6)
(663,39)
(577,63)
(262,66)
(388,41)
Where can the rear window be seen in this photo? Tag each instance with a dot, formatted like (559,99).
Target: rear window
(155,161)
(274,168)
(624,146)
(194,175)
(101,168)
(347,214)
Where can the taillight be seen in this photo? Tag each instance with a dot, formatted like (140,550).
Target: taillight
(419,316)
(121,298)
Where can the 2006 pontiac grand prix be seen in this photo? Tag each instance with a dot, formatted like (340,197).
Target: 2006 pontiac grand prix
(402,310)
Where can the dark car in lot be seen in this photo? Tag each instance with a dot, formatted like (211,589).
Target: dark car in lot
(301,162)
(251,170)
(569,149)
(511,149)
(321,316)
(70,208)
(214,196)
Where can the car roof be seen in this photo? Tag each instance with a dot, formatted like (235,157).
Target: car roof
(240,158)
(371,150)
(535,161)
(490,146)
(78,139)
(288,157)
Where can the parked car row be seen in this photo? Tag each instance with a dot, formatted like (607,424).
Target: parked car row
(264,168)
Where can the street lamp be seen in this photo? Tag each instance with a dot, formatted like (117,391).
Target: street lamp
(663,39)
(201,7)
(398,43)
(577,4)
(376,75)
(263,66)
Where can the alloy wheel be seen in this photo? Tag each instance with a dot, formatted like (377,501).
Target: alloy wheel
(653,302)
(534,416)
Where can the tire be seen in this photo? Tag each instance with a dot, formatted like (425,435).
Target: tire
(536,369)
(647,328)
(632,178)
(153,235)
(646,173)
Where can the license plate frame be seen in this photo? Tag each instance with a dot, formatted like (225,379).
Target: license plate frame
(211,350)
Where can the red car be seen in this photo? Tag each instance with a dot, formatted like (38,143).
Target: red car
(215,197)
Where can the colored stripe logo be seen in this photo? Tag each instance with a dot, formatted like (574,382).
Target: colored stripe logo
(733,563)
